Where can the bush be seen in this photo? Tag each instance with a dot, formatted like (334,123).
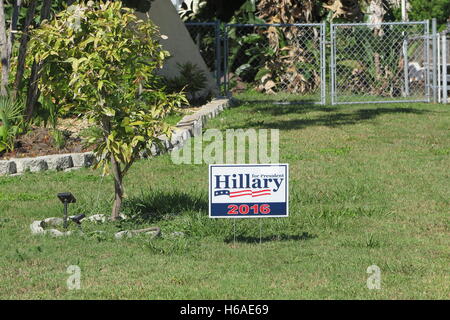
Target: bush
(11,120)
(191,80)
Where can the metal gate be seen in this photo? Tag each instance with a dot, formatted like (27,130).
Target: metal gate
(380,63)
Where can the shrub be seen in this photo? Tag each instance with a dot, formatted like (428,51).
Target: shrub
(11,118)
(191,80)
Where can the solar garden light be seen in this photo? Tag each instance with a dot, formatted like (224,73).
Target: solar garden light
(66,198)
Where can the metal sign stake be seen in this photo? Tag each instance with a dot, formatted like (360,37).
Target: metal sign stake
(234,232)
(260,231)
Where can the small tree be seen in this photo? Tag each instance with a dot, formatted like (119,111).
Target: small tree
(99,60)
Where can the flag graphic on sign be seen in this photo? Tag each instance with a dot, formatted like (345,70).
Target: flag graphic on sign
(241,193)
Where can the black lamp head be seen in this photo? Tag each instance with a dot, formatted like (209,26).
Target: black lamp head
(77,219)
(66,197)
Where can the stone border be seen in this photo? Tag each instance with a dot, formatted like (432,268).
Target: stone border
(58,162)
(190,126)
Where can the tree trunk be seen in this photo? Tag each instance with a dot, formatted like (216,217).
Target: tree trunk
(18,81)
(118,189)
(33,90)
(13,28)
(3,51)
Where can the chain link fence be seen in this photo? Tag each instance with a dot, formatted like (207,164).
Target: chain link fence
(207,38)
(374,63)
(368,63)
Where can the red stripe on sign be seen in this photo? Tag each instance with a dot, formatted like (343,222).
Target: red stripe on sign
(261,194)
(267,190)
(241,195)
(234,192)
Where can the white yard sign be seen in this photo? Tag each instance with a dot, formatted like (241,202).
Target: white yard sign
(248,190)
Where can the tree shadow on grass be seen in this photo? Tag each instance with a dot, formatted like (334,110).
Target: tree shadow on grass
(156,205)
(279,237)
(283,108)
(333,119)
(279,110)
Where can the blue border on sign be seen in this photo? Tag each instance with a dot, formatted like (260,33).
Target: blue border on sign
(286,169)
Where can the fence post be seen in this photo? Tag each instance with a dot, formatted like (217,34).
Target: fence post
(444,68)
(225,60)
(217,42)
(434,48)
(332,67)
(406,65)
(323,40)
(439,68)
(427,59)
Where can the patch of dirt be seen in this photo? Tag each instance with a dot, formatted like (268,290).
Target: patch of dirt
(39,141)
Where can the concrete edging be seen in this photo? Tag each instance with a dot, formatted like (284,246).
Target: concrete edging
(190,126)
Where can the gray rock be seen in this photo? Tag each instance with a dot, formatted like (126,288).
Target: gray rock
(198,127)
(59,162)
(177,138)
(72,169)
(143,154)
(52,222)
(154,150)
(7,167)
(31,164)
(97,218)
(36,227)
(83,159)
(123,234)
(55,233)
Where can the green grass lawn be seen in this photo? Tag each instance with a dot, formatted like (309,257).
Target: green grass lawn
(369,184)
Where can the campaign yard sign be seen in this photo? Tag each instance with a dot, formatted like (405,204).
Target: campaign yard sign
(248,190)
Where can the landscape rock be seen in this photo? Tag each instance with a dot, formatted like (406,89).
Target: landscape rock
(39,227)
(31,164)
(52,222)
(36,227)
(83,159)
(58,162)
(123,234)
(72,169)
(7,167)
(97,218)
(55,233)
